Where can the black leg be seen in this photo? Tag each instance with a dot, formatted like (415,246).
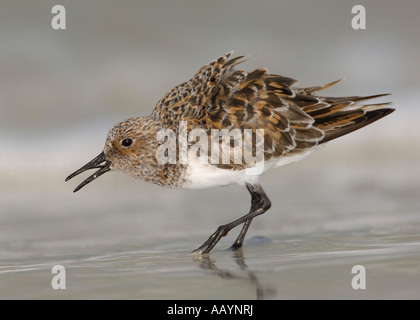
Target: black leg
(257,201)
(259,204)
(240,239)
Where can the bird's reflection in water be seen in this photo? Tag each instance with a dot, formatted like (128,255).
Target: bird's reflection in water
(263,291)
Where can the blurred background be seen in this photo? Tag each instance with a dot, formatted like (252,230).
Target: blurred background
(62,90)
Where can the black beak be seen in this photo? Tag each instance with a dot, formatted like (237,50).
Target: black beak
(98,162)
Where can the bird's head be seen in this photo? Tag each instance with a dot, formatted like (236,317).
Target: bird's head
(129,146)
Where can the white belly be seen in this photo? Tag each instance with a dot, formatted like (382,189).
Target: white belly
(201,175)
(204,175)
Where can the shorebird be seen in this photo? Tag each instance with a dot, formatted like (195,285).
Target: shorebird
(291,121)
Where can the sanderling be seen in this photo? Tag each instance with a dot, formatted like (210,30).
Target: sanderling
(210,130)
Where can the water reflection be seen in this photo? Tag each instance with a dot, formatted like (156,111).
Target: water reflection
(263,291)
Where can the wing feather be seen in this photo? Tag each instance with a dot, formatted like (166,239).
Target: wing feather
(294,119)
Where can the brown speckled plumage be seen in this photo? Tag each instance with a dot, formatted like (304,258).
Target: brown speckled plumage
(140,159)
(294,119)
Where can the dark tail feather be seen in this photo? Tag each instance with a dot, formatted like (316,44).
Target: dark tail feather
(348,121)
(337,116)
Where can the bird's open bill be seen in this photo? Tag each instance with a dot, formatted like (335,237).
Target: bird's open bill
(98,163)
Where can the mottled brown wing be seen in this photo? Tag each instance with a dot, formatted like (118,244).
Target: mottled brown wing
(219,97)
(264,101)
(293,119)
(192,100)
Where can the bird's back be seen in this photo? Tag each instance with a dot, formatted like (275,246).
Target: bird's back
(295,120)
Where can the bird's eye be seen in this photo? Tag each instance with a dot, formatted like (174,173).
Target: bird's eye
(126,143)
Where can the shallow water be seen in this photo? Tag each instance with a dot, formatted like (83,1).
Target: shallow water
(301,267)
